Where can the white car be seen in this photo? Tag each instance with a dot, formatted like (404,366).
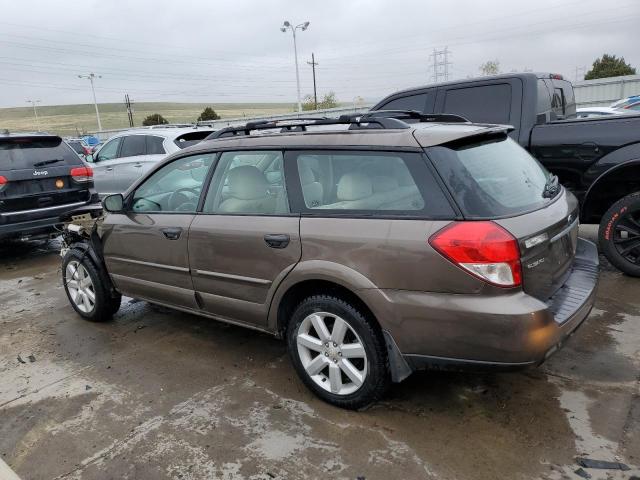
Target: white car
(128,155)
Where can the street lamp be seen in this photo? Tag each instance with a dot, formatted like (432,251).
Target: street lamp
(35,112)
(288,26)
(92,77)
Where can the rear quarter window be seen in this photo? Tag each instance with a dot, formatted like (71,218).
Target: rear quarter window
(484,104)
(365,183)
(24,153)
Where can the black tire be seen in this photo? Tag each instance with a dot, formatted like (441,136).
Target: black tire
(106,302)
(377,378)
(619,234)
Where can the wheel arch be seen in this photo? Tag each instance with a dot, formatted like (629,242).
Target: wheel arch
(610,186)
(329,278)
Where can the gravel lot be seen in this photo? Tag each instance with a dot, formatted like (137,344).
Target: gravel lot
(162,394)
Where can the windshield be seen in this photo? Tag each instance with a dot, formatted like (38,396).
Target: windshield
(491,178)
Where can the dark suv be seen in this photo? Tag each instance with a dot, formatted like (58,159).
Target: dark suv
(374,246)
(41,178)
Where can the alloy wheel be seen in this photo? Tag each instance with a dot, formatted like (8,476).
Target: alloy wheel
(80,286)
(332,353)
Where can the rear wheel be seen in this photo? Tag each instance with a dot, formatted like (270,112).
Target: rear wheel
(86,289)
(619,234)
(338,352)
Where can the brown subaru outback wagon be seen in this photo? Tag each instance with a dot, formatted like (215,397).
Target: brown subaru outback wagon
(375,244)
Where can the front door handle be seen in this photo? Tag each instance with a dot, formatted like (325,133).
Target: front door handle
(172,233)
(137,165)
(277,240)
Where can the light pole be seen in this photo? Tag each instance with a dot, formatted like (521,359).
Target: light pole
(35,112)
(303,26)
(91,77)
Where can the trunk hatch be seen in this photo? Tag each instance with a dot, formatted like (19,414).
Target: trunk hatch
(548,239)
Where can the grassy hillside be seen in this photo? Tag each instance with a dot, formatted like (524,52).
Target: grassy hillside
(74,119)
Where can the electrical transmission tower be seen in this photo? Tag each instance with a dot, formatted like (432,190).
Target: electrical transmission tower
(440,64)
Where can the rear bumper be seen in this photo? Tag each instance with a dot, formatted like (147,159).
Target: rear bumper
(42,220)
(508,331)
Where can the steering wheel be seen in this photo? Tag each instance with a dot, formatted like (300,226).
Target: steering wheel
(181,201)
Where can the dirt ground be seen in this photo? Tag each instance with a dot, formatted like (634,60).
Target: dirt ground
(160,394)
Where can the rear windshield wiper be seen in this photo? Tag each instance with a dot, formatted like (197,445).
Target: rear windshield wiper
(551,187)
(48,162)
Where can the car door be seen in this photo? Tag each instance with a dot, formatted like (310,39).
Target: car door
(128,168)
(146,246)
(246,240)
(103,165)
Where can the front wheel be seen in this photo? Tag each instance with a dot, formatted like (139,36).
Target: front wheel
(338,352)
(619,234)
(86,289)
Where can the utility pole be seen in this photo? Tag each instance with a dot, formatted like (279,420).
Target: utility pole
(313,64)
(440,65)
(127,104)
(91,77)
(35,112)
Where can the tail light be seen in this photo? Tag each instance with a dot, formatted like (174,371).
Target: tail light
(3,182)
(82,174)
(484,249)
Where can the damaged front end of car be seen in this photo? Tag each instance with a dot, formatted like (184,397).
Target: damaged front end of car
(81,232)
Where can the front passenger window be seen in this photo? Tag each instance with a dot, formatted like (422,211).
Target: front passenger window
(175,187)
(109,151)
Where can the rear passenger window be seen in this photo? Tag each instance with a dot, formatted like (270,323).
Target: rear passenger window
(393,183)
(412,102)
(154,145)
(133,145)
(248,183)
(486,104)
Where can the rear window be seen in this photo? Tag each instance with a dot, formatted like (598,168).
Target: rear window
(27,153)
(383,183)
(188,139)
(487,103)
(491,178)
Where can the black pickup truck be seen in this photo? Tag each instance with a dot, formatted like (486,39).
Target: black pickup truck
(596,158)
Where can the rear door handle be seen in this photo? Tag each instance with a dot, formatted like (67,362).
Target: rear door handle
(172,233)
(138,165)
(277,240)
(108,169)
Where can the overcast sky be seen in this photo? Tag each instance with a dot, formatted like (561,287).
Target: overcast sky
(233,51)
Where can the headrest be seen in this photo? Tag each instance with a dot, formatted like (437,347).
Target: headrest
(247,183)
(354,186)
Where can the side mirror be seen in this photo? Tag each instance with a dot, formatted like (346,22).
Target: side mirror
(113,203)
(88,158)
